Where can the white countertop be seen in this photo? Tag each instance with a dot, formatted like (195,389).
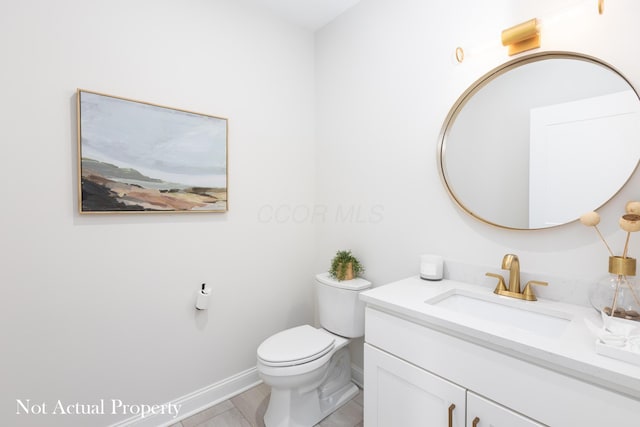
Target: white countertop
(571,353)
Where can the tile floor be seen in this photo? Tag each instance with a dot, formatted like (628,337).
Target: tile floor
(247,410)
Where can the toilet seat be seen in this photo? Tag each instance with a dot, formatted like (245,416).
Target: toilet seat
(295,346)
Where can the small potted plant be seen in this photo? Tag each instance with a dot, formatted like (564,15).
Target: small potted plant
(345,266)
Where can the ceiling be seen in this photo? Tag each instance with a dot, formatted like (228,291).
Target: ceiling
(310,14)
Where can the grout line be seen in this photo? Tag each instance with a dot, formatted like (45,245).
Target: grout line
(216,415)
(233,406)
(240,412)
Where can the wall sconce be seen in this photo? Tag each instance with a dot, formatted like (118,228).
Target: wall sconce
(522,37)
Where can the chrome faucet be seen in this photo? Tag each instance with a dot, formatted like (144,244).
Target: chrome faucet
(512,263)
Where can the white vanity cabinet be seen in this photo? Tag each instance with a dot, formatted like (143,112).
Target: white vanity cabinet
(414,371)
(485,413)
(401,394)
(398,393)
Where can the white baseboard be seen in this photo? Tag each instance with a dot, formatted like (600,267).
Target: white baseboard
(211,395)
(357,375)
(198,400)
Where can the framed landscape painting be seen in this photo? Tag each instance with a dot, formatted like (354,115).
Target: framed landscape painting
(139,157)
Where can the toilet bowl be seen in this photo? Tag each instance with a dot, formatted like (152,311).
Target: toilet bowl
(309,369)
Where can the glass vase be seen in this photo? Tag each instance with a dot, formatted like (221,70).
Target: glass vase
(618,294)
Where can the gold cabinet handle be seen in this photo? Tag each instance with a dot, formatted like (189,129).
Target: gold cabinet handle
(451,408)
(475,422)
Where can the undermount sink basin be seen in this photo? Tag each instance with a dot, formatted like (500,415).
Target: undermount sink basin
(535,317)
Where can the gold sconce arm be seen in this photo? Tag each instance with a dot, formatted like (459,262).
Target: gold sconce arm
(522,37)
(526,35)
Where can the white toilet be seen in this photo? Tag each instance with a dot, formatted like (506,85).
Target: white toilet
(309,369)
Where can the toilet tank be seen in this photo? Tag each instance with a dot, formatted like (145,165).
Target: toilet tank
(339,307)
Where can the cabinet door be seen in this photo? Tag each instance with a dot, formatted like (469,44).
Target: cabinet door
(485,413)
(397,393)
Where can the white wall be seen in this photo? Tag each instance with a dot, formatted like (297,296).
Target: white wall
(386,78)
(101,307)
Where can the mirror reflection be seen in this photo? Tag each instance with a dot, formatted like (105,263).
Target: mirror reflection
(541,140)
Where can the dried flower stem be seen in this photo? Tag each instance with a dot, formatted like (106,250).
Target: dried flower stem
(635,297)
(615,295)
(603,240)
(626,246)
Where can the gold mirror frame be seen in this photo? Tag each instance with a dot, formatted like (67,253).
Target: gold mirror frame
(481,83)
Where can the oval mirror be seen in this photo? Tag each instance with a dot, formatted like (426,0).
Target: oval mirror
(541,140)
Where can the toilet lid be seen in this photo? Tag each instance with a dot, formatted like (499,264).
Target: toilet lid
(295,346)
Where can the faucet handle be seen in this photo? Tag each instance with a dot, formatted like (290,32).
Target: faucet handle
(501,286)
(528,294)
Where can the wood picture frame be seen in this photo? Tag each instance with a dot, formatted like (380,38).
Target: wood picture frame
(138,157)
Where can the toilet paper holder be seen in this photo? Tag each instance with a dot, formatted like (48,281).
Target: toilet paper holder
(202,299)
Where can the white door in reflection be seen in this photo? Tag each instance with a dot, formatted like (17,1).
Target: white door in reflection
(590,139)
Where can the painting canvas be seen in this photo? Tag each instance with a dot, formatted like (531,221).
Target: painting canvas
(139,157)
